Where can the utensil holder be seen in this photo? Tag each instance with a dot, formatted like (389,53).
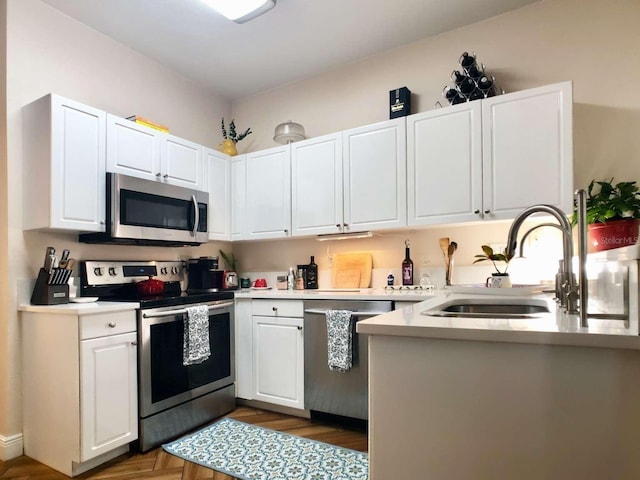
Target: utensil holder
(449,270)
(45,294)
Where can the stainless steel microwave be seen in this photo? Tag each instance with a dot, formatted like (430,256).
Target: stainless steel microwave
(147,212)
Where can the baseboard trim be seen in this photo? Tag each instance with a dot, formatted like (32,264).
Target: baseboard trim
(11,446)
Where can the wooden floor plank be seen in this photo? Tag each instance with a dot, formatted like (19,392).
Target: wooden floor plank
(160,465)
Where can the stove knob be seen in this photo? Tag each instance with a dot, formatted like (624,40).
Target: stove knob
(163,270)
(97,271)
(112,271)
(174,270)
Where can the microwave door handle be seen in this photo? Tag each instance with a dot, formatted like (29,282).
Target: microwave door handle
(196,211)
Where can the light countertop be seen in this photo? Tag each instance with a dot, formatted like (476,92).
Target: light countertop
(556,328)
(80,308)
(336,294)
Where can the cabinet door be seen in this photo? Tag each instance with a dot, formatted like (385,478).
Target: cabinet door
(444,153)
(239,197)
(182,162)
(375,176)
(527,150)
(133,149)
(218,173)
(78,166)
(108,393)
(74,180)
(278,357)
(316,186)
(269,193)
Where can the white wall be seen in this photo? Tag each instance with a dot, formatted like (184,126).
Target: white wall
(590,42)
(50,52)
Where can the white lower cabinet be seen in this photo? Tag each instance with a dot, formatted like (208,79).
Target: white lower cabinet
(278,352)
(80,400)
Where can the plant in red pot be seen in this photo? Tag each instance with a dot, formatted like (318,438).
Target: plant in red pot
(613,215)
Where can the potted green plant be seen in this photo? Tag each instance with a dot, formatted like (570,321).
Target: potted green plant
(500,278)
(613,214)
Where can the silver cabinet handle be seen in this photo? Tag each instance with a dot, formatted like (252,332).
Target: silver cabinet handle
(112,324)
(183,311)
(135,342)
(345,224)
(487,211)
(165,176)
(338,225)
(159,174)
(476,211)
(318,311)
(275,309)
(286,231)
(196,220)
(299,327)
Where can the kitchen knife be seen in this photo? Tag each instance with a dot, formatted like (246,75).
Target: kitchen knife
(64,258)
(48,259)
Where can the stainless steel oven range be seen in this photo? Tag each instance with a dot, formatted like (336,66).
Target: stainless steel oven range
(172,398)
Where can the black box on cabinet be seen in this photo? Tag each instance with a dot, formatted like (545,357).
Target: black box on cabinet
(399,102)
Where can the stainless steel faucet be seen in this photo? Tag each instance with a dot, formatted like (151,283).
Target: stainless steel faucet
(572,297)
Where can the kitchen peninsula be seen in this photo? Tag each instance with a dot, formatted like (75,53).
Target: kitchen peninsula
(486,398)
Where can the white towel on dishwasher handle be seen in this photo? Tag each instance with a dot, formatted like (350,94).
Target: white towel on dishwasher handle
(196,335)
(339,340)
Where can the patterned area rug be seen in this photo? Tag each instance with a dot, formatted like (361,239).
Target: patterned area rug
(256,453)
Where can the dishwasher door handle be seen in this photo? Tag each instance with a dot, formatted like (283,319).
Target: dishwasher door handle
(318,311)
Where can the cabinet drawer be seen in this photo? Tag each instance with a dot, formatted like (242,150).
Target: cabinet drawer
(278,308)
(103,324)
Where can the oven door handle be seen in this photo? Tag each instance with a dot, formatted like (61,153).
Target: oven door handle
(183,311)
(196,214)
(318,311)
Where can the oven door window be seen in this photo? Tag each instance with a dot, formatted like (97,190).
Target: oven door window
(169,377)
(147,210)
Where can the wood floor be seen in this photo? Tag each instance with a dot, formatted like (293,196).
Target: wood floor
(159,465)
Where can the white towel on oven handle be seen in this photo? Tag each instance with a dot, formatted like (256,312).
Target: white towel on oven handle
(196,335)
(339,340)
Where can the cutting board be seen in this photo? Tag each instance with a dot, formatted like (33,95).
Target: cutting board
(351,270)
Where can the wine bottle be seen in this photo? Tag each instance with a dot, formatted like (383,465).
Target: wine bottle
(312,274)
(407,266)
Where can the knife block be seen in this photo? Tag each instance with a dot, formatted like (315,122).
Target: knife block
(45,294)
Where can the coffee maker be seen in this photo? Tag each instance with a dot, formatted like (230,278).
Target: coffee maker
(204,275)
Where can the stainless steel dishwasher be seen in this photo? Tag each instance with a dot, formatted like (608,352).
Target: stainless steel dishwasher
(332,392)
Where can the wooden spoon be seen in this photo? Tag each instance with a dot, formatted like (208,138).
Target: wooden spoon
(444,246)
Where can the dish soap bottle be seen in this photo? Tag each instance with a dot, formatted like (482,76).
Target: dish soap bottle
(390,279)
(407,266)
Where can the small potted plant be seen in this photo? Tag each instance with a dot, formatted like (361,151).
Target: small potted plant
(613,214)
(500,278)
(232,137)
(230,278)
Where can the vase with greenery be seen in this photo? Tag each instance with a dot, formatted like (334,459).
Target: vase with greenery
(489,255)
(613,214)
(231,137)
(230,260)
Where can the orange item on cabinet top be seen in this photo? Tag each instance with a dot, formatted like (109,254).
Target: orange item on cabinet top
(351,270)
(148,123)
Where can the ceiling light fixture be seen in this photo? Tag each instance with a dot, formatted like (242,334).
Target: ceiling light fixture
(241,11)
(343,236)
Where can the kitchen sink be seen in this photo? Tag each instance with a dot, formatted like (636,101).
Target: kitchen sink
(476,308)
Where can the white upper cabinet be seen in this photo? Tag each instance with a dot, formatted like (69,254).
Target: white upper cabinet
(268,193)
(64,165)
(444,150)
(181,162)
(141,151)
(239,197)
(218,173)
(489,159)
(350,181)
(527,143)
(375,176)
(316,185)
